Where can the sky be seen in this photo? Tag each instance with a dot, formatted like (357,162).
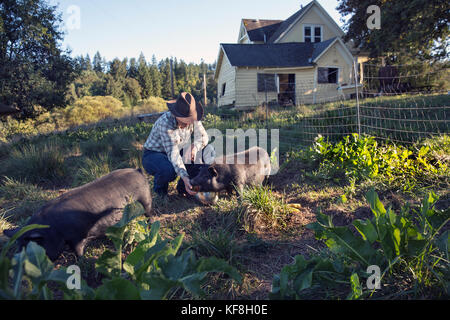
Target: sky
(190,30)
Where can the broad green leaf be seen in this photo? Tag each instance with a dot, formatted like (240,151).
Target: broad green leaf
(356,287)
(159,287)
(415,247)
(193,282)
(375,204)
(443,244)
(366,229)
(284,281)
(175,267)
(342,240)
(109,263)
(213,264)
(136,258)
(37,263)
(117,289)
(397,240)
(19,260)
(303,280)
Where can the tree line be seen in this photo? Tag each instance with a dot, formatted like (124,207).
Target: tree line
(131,80)
(36,71)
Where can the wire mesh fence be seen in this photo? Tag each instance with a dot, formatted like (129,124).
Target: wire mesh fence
(403,104)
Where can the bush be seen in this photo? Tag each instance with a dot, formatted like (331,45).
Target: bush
(410,248)
(150,105)
(92,109)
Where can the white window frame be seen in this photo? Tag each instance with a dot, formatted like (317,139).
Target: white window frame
(337,75)
(313,32)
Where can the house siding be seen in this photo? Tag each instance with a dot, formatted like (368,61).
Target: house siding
(334,58)
(247,95)
(227,75)
(304,86)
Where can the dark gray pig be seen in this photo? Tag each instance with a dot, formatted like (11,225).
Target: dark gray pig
(249,167)
(84,213)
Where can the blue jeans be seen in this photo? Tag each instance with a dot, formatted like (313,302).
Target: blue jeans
(158,165)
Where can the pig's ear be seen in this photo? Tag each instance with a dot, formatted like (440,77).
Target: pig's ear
(10,232)
(213,171)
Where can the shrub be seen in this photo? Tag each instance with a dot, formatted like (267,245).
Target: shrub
(150,105)
(409,247)
(92,109)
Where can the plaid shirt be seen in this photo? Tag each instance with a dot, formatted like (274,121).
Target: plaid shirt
(167,137)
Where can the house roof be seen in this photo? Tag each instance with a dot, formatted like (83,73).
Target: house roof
(275,55)
(257,29)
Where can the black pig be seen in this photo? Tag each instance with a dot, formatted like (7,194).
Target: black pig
(84,213)
(221,175)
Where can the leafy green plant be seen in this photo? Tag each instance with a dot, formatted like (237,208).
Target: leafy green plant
(356,158)
(154,269)
(409,246)
(32,273)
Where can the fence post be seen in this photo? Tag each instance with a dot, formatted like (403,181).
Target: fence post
(267,104)
(357,97)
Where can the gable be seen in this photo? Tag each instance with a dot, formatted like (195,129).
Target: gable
(334,52)
(243,37)
(312,14)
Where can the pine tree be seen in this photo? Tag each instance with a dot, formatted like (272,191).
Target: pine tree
(156,80)
(98,63)
(87,63)
(132,69)
(144,78)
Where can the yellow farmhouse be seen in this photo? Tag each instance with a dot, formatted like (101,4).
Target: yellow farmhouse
(300,60)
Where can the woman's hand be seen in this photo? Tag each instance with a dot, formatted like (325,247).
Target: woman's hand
(188,186)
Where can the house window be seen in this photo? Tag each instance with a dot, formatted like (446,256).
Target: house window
(312,33)
(327,75)
(224,86)
(307,34)
(317,34)
(267,82)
